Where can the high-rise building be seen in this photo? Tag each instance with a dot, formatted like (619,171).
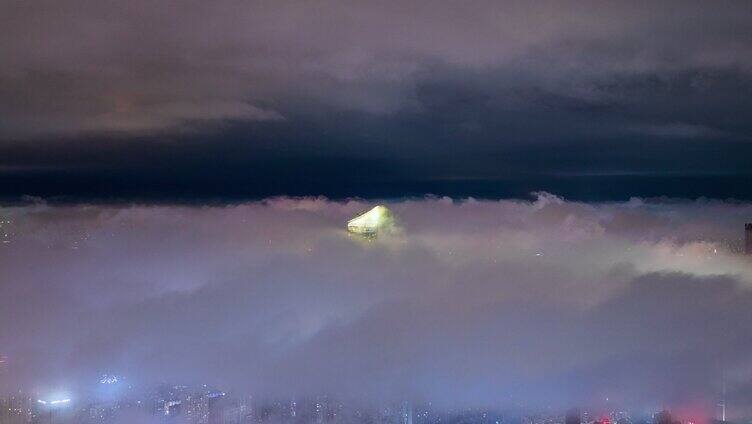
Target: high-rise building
(6,233)
(173,410)
(320,412)
(406,414)
(369,223)
(17,409)
(216,410)
(748,238)
(573,416)
(664,417)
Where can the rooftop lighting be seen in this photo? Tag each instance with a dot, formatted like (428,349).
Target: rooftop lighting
(53,402)
(368,223)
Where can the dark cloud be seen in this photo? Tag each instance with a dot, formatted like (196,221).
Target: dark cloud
(421,91)
(80,67)
(472,303)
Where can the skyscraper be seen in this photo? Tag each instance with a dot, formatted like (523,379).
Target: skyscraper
(663,417)
(748,238)
(406,413)
(216,411)
(572,417)
(369,223)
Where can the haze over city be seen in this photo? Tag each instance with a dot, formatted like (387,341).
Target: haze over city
(395,212)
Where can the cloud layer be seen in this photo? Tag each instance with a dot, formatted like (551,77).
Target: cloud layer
(150,100)
(471,303)
(78,66)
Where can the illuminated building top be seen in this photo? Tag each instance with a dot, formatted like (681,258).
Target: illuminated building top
(108,379)
(369,223)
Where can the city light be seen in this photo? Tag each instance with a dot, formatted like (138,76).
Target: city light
(215,394)
(53,402)
(109,379)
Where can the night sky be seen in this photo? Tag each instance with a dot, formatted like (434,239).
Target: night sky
(235,100)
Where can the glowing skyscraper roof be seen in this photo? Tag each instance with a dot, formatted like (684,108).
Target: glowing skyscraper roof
(368,223)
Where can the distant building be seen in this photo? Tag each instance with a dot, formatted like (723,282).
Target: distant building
(216,407)
(172,410)
(748,238)
(406,414)
(573,416)
(234,414)
(17,409)
(664,417)
(369,223)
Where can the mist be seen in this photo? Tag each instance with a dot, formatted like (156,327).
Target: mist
(463,303)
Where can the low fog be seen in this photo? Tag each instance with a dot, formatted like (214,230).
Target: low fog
(462,302)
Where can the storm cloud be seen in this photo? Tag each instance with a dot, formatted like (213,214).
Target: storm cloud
(464,303)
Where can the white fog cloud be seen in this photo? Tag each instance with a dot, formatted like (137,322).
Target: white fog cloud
(472,302)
